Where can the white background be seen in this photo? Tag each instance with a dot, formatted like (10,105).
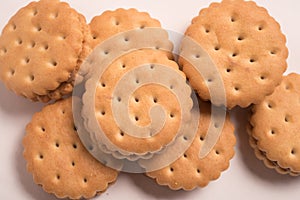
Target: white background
(247,178)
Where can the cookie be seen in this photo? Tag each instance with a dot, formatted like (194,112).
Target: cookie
(111,23)
(191,171)
(246,47)
(124,101)
(58,160)
(41,49)
(275,126)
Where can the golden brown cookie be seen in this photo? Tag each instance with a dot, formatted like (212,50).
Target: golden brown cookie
(41,49)
(140,102)
(247,47)
(274,131)
(58,160)
(189,171)
(111,23)
(117,22)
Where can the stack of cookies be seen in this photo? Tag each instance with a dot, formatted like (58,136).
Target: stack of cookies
(274,127)
(42,47)
(120,102)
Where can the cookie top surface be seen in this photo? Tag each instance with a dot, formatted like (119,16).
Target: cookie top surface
(110,23)
(247,47)
(40,48)
(140,102)
(275,124)
(189,171)
(58,160)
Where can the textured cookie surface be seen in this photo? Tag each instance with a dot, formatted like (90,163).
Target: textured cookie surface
(189,171)
(140,102)
(58,160)
(275,126)
(246,45)
(40,50)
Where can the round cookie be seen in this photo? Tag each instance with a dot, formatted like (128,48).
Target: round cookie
(41,49)
(189,171)
(274,131)
(110,23)
(140,102)
(58,160)
(246,46)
